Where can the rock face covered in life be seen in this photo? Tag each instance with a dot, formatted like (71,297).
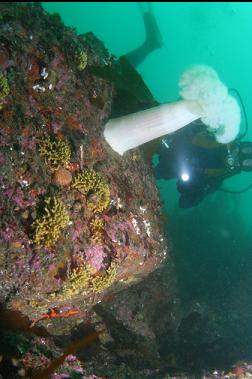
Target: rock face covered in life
(78,222)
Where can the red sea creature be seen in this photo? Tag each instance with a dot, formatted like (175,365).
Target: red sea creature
(74,166)
(55,313)
(239,370)
(35,192)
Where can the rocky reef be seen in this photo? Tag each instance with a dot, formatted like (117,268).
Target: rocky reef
(87,284)
(78,222)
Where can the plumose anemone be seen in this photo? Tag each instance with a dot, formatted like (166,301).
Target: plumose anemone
(204,97)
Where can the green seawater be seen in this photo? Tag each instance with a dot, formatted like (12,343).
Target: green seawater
(212,243)
(216,34)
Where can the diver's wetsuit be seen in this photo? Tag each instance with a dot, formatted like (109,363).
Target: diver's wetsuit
(153,38)
(197,161)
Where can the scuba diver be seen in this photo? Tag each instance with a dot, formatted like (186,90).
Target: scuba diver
(199,163)
(191,155)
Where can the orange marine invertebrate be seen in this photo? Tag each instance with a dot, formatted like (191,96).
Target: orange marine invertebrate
(55,313)
(62,177)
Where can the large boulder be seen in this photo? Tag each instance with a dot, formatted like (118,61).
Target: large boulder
(78,222)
